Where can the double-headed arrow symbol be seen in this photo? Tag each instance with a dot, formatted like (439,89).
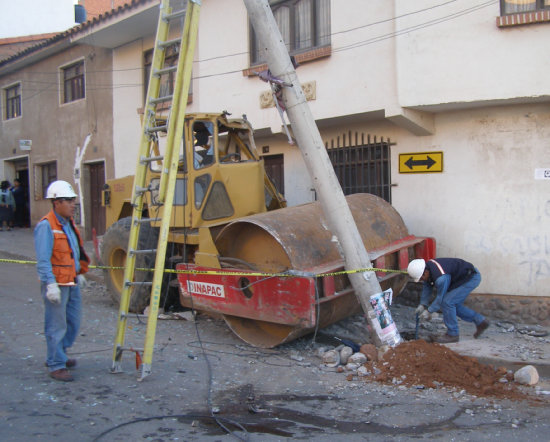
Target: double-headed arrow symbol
(428,162)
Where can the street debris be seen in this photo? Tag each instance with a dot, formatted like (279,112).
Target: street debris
(527,375)
(423,365)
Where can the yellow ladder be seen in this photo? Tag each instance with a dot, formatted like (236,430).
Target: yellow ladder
(148,153)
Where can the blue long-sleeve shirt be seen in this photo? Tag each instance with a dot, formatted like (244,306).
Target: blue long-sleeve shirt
(43,244)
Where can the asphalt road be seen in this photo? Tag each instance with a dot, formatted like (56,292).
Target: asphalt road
(207,385)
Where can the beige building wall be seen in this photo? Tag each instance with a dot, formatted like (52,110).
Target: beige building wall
(59,132)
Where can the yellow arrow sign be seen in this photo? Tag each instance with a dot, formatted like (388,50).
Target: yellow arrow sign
(423,162)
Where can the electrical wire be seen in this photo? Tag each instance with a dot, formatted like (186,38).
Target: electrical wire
(351,46)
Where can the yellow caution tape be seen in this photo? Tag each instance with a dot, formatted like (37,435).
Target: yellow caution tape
(286,274)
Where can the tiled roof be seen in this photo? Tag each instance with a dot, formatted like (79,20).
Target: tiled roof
(76,29)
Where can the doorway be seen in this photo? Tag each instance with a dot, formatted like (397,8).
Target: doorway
(97,182)
(275,168)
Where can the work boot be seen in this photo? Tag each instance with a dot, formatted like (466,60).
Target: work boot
(61,375)
(446,339)
(481,327)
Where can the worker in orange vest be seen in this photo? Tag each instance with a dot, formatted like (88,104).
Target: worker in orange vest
(61,261)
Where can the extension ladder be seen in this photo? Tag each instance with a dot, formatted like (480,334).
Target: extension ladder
(148,153)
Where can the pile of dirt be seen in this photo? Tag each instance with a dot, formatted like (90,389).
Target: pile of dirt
(431,365)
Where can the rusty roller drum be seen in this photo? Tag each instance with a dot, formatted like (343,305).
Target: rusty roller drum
(298,238)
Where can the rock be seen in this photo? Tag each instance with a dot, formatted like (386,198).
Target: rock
(363,371)
(345,353)
(350,366)
(369,350)
(527,375)
(331,358)
(381,350)
(357,358)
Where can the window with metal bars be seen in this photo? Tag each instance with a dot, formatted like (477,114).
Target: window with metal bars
(362,166)
(73,82)
(12,101)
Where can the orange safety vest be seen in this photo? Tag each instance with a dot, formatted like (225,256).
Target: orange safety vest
(63,265)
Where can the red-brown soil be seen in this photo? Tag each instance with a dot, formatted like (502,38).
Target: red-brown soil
(418,363)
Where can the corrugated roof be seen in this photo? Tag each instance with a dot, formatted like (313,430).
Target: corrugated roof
(76,29)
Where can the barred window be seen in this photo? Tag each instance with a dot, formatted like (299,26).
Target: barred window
(362,165)
(12,101)
(304,25)
(73,82)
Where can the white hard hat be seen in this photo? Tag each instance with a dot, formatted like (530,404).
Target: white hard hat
(416,269)
(60,189)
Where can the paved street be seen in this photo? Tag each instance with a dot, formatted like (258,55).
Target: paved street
(208,385)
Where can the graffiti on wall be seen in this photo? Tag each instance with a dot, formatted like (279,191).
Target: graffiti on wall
(528,253)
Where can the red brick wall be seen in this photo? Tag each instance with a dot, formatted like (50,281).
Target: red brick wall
(96,7)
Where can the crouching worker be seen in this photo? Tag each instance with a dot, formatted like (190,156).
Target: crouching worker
(61,261)
(454,279)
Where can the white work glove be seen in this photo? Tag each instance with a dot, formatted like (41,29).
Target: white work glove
(53,293)
(420,309)
(426,315)
(81,281)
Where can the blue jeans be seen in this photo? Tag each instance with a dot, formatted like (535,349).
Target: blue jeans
(452,305)
(61,324)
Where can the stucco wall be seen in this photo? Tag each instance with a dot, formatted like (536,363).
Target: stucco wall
(57,130)
(127,99)
(486,205)
(456,54)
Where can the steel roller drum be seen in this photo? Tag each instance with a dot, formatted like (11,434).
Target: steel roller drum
(298,238)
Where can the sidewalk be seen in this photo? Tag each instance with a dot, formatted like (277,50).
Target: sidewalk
(503,344)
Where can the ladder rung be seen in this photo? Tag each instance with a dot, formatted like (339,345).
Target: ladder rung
(141,190)
(142,251)
(130,348)
(132,315)
(147,220)
(142,283)
(157,129)
(163,71)
(174,15)
(165,44)
(160,99)
(145,160)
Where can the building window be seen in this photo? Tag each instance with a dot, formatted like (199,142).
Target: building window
(73,82)
(304,25)
(44,175)
(362,166)
(519,6)
(12,101)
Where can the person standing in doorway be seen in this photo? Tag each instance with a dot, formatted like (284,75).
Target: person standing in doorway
(7,205)
(454,279)
(61,262)
(20,204)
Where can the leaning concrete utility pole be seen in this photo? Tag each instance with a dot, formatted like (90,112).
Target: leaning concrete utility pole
(329,191)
